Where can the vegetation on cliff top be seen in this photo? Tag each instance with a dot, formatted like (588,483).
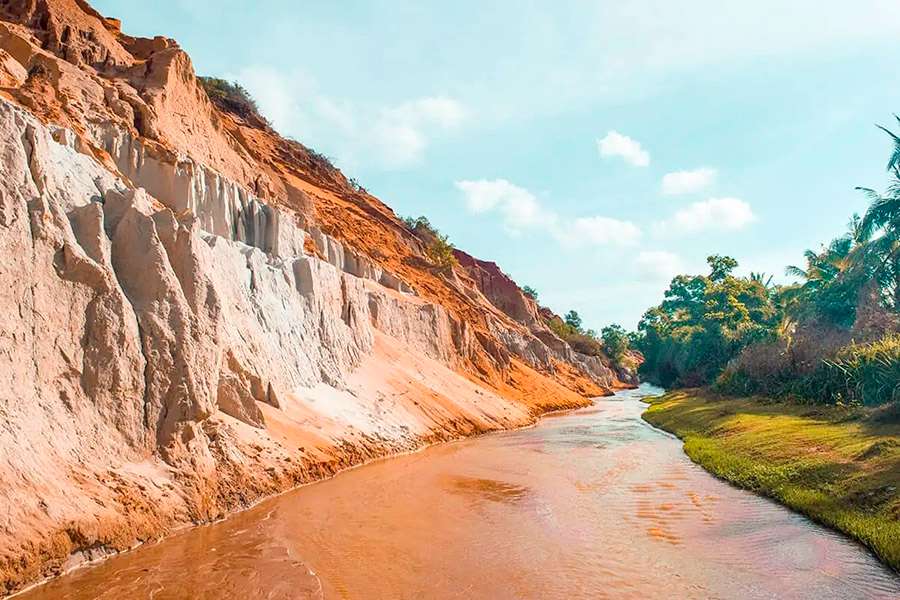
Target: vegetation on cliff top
(837,465)
(231,96)
(438,249)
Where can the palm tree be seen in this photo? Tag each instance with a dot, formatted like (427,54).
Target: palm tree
(762,279)
(883,217)
(827,282)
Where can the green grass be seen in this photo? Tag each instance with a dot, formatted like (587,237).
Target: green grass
(833,464)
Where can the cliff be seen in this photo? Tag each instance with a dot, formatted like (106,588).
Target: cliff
(198,312)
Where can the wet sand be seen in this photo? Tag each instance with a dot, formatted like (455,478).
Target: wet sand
(589,504)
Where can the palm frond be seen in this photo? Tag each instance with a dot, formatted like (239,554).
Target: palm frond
(895,155)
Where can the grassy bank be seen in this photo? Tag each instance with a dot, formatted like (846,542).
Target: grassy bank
(833,464)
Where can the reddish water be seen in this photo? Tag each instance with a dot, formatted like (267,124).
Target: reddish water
(591,504)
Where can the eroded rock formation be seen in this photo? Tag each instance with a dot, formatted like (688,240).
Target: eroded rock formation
(197,312)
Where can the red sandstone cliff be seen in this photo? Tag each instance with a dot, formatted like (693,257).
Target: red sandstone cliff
(198,312)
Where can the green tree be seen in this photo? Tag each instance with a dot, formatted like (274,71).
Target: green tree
(882,223)
(702,322)
(721,266)
(530,292)
(573,320)
(831,280)
(615,340)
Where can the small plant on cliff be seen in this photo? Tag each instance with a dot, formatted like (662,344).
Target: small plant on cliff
(231,97)
(440,252)
(356,186)
(438,248)
(530,292)
(421,226)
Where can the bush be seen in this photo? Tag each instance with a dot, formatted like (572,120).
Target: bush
(530,292)
(585,344)
(440,252)
(421,226)
(356,186)
(231,97)
(573,320)
(615,341)
(866,374)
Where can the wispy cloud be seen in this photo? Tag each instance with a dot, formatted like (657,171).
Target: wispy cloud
(688,182)
(391,137)
(657,265)
(715,214)
(600,231)
(614,144)
(518,207)
(520,210)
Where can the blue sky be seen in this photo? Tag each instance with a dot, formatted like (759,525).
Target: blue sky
(592,149)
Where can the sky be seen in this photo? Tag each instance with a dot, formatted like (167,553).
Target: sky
(593,149)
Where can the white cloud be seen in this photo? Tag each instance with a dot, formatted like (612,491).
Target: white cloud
(521,210)
(658,265)
(720,214)
(518,207)
(400,134)
(438,110)
(398,144)
(603,231)
(616,144)
(688,182)
(388,136)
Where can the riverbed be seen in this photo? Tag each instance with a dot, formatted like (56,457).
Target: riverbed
(593,503)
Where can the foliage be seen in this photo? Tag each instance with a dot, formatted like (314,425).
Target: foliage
(322,161)
(573,320)
(879,230)
(615,340)
(702,323)
(440,252)
(420,226)
(612,342)
(829,338)
(831,281)
(438,249)
(530,292)
(866,374)
(561,328)
(356,186)
(230,96)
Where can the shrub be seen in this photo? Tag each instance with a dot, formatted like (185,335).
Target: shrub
(356,186)
(615,340)
(440,252)
(231,97)
(561,328)
(421,226)
(866,374)
(573,320)
(863,373)
(585,344)
(530,292)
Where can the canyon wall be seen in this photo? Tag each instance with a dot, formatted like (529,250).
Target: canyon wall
(197,313)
